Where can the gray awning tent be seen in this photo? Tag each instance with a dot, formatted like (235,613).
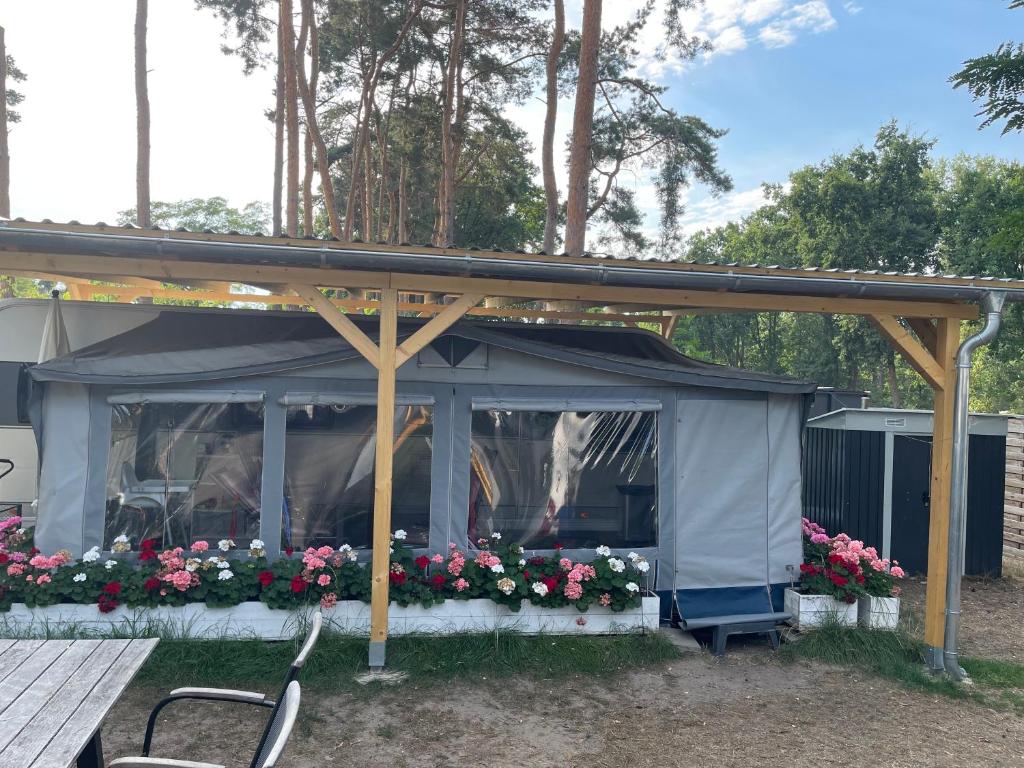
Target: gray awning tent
(728,526)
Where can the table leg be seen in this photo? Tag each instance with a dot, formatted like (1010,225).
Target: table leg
(92,755)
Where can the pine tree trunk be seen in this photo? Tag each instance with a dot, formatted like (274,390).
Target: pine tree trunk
(403,202)
(291,99)
(307,89)
(550,115)
(142,202)
(582,125)
(449,153)
(278,139)
(5,157)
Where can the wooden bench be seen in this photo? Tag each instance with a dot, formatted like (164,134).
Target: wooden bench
(738,624)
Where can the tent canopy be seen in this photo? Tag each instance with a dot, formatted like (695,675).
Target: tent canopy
(204,345)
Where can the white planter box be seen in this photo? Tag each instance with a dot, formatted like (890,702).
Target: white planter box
(256,620)
(812,611)
(878,612)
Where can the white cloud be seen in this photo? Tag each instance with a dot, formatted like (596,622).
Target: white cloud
(852,8)
(711,212)
(730,40)
(811,17)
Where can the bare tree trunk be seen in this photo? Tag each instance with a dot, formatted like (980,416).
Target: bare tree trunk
(142,203)
(5,157)
(449,152)
(368,177)
(291,99)
(550,115)
(278,137)
(403,202)
(582,125)
(895,395)
(353,186)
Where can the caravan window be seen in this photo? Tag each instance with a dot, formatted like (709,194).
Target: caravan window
(178,472)
(329,475)
(572,478)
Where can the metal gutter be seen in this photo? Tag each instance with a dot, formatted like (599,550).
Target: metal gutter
(992,304)
(604,272)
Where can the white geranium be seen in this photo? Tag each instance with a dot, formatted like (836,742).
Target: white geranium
(498,568)
(642,565)
(540,588)
(79,577)
(345,548)
(603,551)
(91,556)
(222,564)
(110,564)
(225,575)
(121,544)
(522,563)
(192,564)
(225,545)
(257,548)
(400,535)
(122,539)
(496,536)
(633,557)
(616,565)
(632,587)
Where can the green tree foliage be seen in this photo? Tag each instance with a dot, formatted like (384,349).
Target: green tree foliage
(874,208)
(14,97)
(199,214)
(997,80)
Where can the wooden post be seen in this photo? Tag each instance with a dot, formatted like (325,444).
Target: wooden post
(382,479)
(947,343)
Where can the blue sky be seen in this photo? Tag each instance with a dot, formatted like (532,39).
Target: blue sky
(831,87)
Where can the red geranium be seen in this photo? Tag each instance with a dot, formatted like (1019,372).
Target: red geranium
(397,578)
(298,584)
(551,582)
(839,581)
(151,583)
(113,588)
(266,577)
(147,545)
(4,557)
(34,551)
(147,554)
(106,603)
(437,580)
(289,551)
(536,560)
(422,562)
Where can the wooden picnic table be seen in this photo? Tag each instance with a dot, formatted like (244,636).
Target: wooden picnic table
(54,695)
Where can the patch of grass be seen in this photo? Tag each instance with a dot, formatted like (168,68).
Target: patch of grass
(235,663)
(899,657)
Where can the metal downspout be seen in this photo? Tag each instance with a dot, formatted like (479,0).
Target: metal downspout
(992,304)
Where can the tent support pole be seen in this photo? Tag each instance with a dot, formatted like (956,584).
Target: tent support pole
(382,477)
(947,343)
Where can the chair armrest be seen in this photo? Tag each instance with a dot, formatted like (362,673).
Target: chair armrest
(221,694)
(158,762)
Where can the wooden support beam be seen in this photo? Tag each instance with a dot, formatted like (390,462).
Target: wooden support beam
(919,358)
(384,458)
(340,322)
(441,322)
(926,332)
(13,262)
(948,341)
(669,323)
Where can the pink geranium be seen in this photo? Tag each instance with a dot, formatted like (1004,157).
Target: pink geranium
(461,584)
(323,579)
(573,590)
(44,578)
(200,546)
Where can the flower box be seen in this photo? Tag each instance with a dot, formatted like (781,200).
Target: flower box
(813,611)
(878,612)
(256,620)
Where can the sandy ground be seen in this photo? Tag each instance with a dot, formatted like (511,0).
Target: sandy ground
(747,709)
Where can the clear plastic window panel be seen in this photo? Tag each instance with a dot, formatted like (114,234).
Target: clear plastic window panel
(329,466)
(572,478)
(178,472)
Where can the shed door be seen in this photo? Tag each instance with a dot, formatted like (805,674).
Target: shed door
(911,471)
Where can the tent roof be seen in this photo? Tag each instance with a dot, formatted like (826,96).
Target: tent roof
(206,345)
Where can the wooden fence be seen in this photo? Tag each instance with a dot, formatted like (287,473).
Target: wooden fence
(1013,507)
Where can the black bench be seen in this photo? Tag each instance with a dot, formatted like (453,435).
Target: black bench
(738,624)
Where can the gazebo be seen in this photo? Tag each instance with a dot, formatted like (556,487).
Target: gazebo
(920,315)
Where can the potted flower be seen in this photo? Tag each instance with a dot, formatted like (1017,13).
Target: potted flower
(880,607)
(831,580)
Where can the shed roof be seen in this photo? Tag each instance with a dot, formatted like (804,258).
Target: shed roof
(206,345)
